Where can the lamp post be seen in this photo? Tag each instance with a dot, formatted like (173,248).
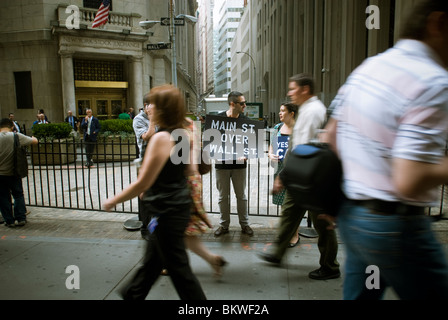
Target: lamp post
(173,45)
(173,40)
(150,24)
(255,73)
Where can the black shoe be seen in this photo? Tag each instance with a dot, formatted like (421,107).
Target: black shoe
(220,231)
(320,274)
(21,223)
(247,230)
(269,258)
(146,235)
(292,245)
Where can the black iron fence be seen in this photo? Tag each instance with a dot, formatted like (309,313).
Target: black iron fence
(59,178)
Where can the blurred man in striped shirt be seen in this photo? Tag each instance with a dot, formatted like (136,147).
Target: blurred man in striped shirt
(390,126)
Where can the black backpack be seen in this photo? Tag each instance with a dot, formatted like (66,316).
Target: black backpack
(312,174)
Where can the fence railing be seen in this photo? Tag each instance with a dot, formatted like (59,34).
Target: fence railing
(58,178)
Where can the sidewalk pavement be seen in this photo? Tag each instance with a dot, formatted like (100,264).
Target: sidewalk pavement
(34,260)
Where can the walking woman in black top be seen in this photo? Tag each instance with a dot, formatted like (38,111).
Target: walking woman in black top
(162,185)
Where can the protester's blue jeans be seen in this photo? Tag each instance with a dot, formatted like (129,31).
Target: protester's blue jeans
(404,248)
(12,185)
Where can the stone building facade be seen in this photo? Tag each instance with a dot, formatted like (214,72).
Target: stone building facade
(326,38)
(50,61)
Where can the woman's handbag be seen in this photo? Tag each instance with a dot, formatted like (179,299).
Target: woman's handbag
(20,159)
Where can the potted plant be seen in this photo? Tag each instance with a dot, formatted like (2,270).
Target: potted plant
(116,141)
(55,145)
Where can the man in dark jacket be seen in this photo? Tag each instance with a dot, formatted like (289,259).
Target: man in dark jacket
(74,122)
(91,127)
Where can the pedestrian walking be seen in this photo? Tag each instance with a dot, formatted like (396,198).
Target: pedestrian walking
(312,115)
(164,190)
(389,126)
(277,151)
(199,222)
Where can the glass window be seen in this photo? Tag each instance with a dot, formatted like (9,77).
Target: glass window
(117,107)
(94,4)
(24,90)
(101,107)
(82,106)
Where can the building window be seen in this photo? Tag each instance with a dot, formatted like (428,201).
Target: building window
(98,70)
(24,90)
(94,4)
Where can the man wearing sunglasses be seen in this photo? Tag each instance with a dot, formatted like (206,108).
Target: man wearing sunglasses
(234,172)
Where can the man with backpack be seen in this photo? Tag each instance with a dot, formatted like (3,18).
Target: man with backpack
(11,184)
(312,116)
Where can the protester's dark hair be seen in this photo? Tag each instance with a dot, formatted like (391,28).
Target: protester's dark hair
(302,80)
(169,107)
(291,108)
(414,26)
(233,96)
(6,123)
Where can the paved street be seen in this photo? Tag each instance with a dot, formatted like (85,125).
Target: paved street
(34,258)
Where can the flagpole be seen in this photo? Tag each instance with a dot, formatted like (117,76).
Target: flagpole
(173,45)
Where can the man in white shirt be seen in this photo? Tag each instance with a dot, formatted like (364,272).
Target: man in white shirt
(144,129)
(389,127)
(311,118)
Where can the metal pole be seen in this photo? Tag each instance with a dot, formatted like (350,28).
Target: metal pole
(173,45)
(255,74)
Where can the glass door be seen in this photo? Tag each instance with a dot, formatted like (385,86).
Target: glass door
(102,109)
(105,103)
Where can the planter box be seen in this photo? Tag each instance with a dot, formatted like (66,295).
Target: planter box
(115,149)
(56,152)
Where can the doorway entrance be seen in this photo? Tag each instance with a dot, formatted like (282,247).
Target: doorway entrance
(106,103)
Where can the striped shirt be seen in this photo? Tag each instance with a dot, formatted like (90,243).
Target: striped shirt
(395,105)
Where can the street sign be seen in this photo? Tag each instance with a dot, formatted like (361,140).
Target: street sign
(165,21)
(159,46)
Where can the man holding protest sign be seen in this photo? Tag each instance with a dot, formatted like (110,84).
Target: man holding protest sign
(232,169)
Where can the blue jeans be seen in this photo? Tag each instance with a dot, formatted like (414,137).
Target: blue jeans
(12,185)
(404,248)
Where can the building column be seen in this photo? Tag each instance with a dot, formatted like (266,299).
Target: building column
(68,82)
(136,83)
(160,70)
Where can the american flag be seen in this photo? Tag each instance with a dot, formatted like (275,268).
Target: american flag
(102,16)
